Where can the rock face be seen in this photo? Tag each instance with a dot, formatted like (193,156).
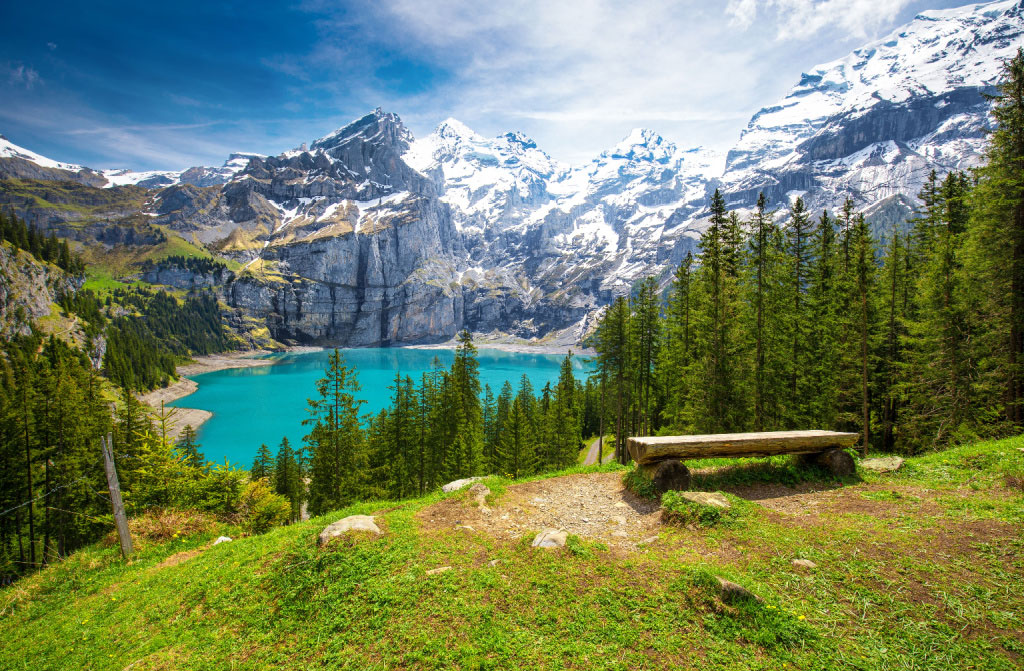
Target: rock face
(350,523)
(369,237)
(28,289)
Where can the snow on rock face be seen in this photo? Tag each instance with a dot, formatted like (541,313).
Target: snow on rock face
(383,239)
(10,150)
(919,87)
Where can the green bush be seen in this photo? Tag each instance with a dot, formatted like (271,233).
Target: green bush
(680,511)
(261,509)
(637,482)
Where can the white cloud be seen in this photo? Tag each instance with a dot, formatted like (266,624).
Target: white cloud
(22,76)
(804,19)
(578,75)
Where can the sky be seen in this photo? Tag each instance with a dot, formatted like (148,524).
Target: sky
(171,85)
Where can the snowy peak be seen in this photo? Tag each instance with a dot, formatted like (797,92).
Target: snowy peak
(10,150)
(378,127)
(643,144)
(937,57)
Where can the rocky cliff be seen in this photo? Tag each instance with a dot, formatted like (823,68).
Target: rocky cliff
(369,236)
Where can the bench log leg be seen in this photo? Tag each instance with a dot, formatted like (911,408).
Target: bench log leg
(670,474)
(836,460)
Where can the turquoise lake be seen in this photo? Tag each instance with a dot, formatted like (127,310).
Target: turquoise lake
(258,405)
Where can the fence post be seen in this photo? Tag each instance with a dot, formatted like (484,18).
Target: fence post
(123,532)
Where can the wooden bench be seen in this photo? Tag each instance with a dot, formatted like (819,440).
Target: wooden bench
(661,457)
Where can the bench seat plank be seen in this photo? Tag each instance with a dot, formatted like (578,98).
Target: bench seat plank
(652,449)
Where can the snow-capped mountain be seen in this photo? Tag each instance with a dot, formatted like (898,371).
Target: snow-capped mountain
(24,163)
(369,236)
(872,125)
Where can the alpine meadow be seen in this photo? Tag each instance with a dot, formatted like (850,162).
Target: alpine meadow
(401,398)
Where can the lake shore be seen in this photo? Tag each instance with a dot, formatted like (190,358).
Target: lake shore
(185,386)
(519,347)
(195,417)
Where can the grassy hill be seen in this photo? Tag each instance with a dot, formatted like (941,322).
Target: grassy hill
(920,569)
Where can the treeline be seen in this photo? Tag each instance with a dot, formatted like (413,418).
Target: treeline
(144,347)
(53,491)
(438,429)
(196,264)
(44,247)
(815,325)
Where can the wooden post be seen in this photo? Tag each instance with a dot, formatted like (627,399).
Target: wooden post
(123,532)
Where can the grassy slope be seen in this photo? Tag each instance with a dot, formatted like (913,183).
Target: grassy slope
(926,574)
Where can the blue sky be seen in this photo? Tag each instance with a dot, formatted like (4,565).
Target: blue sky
(170,85)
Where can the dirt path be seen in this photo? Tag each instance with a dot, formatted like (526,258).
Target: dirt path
(593,452)
(595,506)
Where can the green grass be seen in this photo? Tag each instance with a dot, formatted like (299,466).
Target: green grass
(918,570)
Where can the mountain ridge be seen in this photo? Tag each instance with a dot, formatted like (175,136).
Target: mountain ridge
(450,230)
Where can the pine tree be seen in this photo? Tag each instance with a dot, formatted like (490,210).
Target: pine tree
(678,353)
(336,441)
(612,345)
(188,448)
(823,296)
(288,478)
(262,465)
(995,252)
(798,317)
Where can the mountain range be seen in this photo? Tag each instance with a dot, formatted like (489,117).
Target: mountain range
(369,236)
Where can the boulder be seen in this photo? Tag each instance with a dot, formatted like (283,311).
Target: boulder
(222,539)
(882,464)
(550,538)
(456,485)
(713,499)
(730,592)
(804,563)
(350,523)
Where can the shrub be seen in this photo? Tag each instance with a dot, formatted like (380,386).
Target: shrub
(261,509)
(638,483)
(680,511)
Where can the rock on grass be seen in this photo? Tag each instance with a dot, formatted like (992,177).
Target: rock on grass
(350,523)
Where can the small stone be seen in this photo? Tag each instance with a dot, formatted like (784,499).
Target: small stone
(456,485)
(804,563)
(648,540)
(442,569)
(350,523)
(538,499)
(882,464)
(479,490)
(504,517)
(621,504)
(587,520)
(619,533)
(550,538)
(619,519)
(464,527)
(222,539)
(712,499)
(494,562)
(731,592)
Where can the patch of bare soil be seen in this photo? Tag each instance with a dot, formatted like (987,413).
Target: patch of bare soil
(595,506)
(178,558)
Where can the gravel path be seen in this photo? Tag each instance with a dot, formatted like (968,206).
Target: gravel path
(593,452)
(595,506)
